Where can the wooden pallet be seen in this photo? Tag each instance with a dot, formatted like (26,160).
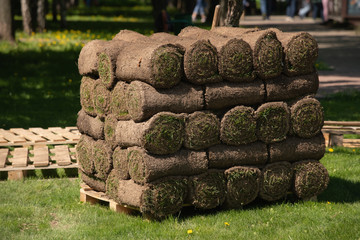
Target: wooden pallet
(334,133)
(88,195)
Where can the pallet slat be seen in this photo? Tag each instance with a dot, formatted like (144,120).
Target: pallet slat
(20,157)
(3,155)
(11,137)
(65,133)
(28,135)
(46,133)
(41,156)
(62,155)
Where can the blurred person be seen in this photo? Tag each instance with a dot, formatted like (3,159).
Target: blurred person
(290,10)
(266,8)
(199,9)
(325,4)
(306,6)
(317,9)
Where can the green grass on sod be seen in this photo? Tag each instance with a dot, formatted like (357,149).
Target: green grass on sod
(50,209)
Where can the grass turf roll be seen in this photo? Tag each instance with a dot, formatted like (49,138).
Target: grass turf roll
(87,95)
(101,99)
(242,186)
(295,149)
(200,58)
(224,156)
(145,168)
(102,155)
(273,122)
(88,57)
(84,150)
(109,130)
(91,126)
(311,178)
(300,52)
(160,65)
(238,126)
(118,102)
(121,163)
(276,181)
(144,101)
(202,130)
(207,190)
(286,88)
(235,55)
(227,94)
(112,185)
(307,117)
(93,182)
(162,134)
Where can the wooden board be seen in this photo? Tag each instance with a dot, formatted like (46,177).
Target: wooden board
(62,155)
(65,133)
(20,157)
(46,133)
(3,155)
(11,137)
(28,135)
(41,156)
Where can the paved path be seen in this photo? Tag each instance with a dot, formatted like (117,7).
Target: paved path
(338,48)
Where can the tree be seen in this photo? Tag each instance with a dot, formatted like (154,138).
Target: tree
(26,16)
(6,21)
(230,12)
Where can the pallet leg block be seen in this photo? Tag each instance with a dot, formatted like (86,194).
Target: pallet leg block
(86,198)
(17,175)
(120,209)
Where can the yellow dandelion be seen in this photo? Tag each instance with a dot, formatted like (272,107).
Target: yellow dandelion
(70,80)
(331,150)
(88,31)
(82,45)
(189,231)
(54,42)
(24,78)
(32,33)
(328,202)
(353,150)
(226,224)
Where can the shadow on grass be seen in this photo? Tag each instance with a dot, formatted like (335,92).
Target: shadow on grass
(341,191)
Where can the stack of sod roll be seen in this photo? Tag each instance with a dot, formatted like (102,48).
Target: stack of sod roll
(206,118)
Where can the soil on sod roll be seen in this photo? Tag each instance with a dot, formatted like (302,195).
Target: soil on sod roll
(276,181)
(121,163)
(112,185)
(273,122)
(266,48)
(109,130)
(207,190)
(307,117)
(87,95)
(118,103)
(102,155)
(238,126)
(242,185)
(101,99)
(202,130)
(145,168)
(162,134)
(144,101)
(160,65)
(88,58)
(200,58)
(224,156)
(227,94)
(235,55)
(84,150)
(295,149)
(91,126)
(285,88)
(93,182)
(300,52)
(130,36)
(311,178)
(234,31)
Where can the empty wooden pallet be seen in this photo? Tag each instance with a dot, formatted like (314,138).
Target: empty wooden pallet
(334,133)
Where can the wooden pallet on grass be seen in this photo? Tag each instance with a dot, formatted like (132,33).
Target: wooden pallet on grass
(334,133)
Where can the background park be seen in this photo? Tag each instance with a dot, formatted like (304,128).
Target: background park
(39,87)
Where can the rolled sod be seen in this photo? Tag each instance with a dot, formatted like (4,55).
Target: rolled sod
(162,134)
(266,48)
(88,58)
(121,163)
(273,122)
(234,31)
(145,168)
(101,99)
(112,185)
(295,149)
(102,155)
(118,102)
(160,65)
(93,182)
(202,130)
(91,126)
(87,95)
(144,101)
(300,52)
(130,36)
(207,190)
(276,181)
(311,178)
(235,55)
(307,117)
(227,94)
(84,157)
(238,126)
(109,130)
(157,200)
(242,186)
(200,58)
(224,156)
(286,88)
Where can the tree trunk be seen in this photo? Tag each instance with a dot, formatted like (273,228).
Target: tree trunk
(230,12)
(40,15)
(6,21)
(26,16)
